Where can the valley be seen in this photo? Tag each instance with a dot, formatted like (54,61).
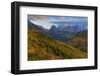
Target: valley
(53,44)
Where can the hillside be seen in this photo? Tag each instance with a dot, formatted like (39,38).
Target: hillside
(42,47)
(80,41)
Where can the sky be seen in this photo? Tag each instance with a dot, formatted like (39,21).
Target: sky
(47,21)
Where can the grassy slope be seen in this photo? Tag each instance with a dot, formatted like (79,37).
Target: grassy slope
(80,41)
(41,47)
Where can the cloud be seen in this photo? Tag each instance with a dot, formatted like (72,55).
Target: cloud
(37,17)
(47,20)
(67,19)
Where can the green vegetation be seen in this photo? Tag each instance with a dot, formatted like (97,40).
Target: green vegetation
(80,41)
(42,47)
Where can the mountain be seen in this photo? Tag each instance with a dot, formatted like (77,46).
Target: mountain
(80,41)
(64,33)
(42,47)
(53,32)
(53,29)
(61,35)
(72,28)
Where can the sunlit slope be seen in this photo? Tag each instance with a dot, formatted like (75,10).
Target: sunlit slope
(42,47)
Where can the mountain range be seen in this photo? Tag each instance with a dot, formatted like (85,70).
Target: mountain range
(54,43)
(62,33)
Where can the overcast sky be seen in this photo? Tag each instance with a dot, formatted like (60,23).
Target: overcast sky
(47,21)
